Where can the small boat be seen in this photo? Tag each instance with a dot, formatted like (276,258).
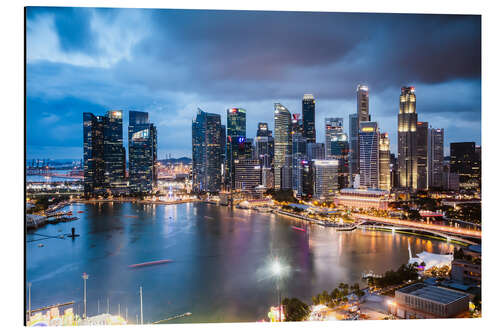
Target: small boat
(299,229)
(150,263)
(40,245)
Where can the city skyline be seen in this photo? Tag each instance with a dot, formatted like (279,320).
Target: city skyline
(88,75)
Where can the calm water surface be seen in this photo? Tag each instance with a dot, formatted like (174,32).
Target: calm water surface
(221,257)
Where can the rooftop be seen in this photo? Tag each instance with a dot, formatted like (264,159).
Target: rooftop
(432,293)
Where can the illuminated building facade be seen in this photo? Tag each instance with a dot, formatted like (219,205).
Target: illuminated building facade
(236,138)
(325,178)
(422,158)
(353,147)
(333,127)
(142,153)
(435,157)
(339,149)
(264,145)
(384,162)
(93,154)
(247,174)
(114,151)
(363,103)
(407,139)
(282,147)
(298,155)
(309,117)
(465,161)
(207,152)
(363,198)
(368,154)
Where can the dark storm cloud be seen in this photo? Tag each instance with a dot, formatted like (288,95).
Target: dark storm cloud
(168,62)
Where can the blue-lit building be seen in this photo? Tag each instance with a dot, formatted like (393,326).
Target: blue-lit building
(207,152)
(369,140)
(142,148)
(236,145)
(93,154)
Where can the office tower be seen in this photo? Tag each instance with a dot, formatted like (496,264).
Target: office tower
(236,137)
(247,174)
(450,180)
(207,152)
(422,159)
(384,162)
(369,154)
(435,157)
(465,162)
(93,154)
(353,147)
(264,145)
(307,180)
(394,172)
(315,151)
(308,117)
(114,173)
(363,103)
(407,139)
(325,178)
(282,147)
(298,155)
(297,124)
(333,126)
(223,151)
(142,150)
(339,148)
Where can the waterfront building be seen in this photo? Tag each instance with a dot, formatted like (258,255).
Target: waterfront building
(384,162)
(235,141)
(407,139)
(282,147)
(466,163)
(422,158)
(308,117)
(315,151)
(435,157)
(339,148)
(353,147)
(423,301)
(369,154)
(363,198)
(333,127)
(103,153)
(298,155)
(207,152)
(142,153)
(247,174)
(325,178)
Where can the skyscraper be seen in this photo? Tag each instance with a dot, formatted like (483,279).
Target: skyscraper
(422,149)
(142,153)
(308,117)
(333,126)
(435,157)
(315,151)
(297,124)
(207,152)
(353,147)
(363,104)
(369,154)
(465,162)
(282,147)
(384,162)
(298,155)
(339,148)
(264,145)
(407,139)
(104,154)
(236,138)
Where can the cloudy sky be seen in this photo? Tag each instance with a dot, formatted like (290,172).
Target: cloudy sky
(170,62)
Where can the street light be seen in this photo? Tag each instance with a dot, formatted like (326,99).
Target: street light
(85,276)
(277,269)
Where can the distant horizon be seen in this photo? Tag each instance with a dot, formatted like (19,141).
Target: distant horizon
(170,62)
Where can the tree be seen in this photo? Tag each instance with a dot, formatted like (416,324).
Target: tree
(295,310)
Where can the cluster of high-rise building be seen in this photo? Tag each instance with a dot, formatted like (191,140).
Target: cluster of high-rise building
(104,155)
(226,159)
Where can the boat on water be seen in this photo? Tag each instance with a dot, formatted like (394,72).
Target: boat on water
(150,263)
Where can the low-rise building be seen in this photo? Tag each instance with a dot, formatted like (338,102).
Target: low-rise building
(424,301)
(363,198)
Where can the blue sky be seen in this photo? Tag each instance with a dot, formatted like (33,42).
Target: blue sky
(170,62)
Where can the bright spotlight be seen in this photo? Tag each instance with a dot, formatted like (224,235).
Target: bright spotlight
(276,268)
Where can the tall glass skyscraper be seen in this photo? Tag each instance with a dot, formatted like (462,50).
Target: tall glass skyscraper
(369,154)
(298,155)
(422,163)
(353,147)
(407,139)
(339,147)
(325,178)
(282,147)
(264,145)
(207,152)
(363,102)
(104,154)
(142,153)
(308,117)
(236,138)
(465,161)
(384,162)
(435,157)
(333,126)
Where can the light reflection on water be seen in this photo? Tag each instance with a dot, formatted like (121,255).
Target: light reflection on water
(220,260)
